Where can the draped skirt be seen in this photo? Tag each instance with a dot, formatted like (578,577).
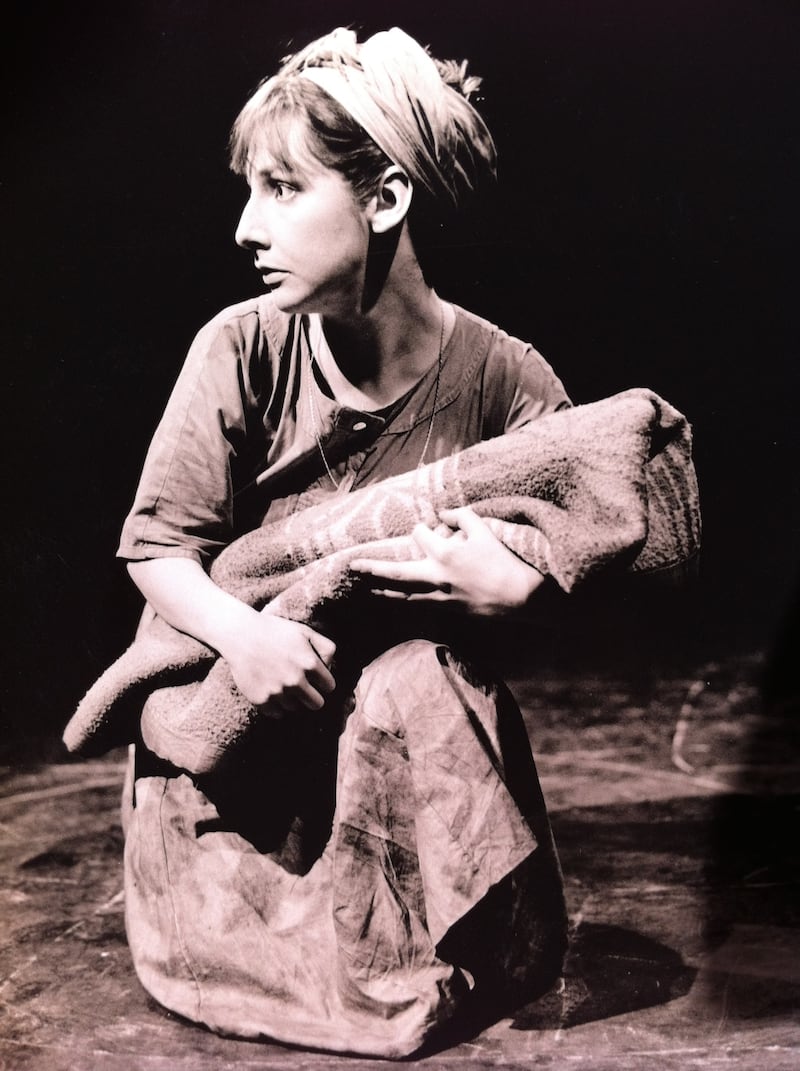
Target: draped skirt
(351,884)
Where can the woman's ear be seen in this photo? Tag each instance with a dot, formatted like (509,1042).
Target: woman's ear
(392,200)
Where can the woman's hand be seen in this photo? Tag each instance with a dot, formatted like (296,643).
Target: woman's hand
(465,564)
(280,663)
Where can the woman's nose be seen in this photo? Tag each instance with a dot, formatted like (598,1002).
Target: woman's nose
(251,231)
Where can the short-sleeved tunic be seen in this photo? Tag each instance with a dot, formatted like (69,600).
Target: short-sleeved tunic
(238,439)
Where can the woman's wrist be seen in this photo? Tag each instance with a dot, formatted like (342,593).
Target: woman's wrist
(228,621)
(522,583)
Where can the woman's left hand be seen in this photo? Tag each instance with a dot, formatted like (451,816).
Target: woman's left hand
(465,564)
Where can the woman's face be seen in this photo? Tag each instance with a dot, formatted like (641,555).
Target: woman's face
(309,236)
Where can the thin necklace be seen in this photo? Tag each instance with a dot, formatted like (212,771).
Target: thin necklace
(315,420)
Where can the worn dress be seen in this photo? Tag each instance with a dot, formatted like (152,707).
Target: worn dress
(358,876)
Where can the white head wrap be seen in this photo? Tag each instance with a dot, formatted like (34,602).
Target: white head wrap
(406,103)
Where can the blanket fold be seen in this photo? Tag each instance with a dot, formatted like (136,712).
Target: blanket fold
(606,483)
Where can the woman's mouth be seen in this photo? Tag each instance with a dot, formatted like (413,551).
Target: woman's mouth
(270,274)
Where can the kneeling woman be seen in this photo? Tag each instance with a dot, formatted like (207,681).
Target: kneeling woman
(381,857)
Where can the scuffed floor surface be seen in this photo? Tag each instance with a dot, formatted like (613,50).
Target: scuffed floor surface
(674,805)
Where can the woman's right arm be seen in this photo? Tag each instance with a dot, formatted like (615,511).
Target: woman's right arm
(275,662)
(183,514)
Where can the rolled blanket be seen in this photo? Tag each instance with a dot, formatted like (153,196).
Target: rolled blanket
(610,482)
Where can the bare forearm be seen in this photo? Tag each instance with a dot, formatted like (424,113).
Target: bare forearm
(181,592)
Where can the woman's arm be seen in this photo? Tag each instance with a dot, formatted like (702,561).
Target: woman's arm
(275,662)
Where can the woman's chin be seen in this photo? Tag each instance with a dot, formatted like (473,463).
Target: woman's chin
(283,299)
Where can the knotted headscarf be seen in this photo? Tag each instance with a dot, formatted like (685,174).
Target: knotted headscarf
(416,109)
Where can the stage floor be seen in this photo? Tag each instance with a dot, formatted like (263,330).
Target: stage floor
(674,804)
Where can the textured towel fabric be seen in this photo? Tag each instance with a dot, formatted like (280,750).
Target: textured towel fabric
(607,483)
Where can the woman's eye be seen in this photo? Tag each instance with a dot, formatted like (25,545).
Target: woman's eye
(282,190)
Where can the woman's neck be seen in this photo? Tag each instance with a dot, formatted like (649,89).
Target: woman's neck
(380,354)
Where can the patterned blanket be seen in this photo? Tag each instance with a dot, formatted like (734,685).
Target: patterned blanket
(610,483)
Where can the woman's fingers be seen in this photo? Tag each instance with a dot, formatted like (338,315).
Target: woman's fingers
(309,690)
(324,648)
(463,518)
(318,680)
(441,594)
(431,543)
(401,577)
(305,698)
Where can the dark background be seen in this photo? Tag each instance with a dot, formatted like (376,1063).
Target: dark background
(646,234)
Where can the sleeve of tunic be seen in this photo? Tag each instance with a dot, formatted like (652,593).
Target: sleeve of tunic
(211,431)
(518,386)
(538,391)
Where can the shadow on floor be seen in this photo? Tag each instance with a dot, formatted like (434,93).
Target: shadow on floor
(609,971)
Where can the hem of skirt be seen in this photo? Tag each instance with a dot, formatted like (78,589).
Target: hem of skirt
(342,1036)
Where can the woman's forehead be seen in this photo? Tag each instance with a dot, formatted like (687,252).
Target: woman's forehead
(282,145)
(263,159)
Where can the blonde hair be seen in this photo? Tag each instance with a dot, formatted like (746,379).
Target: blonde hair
(363,106)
